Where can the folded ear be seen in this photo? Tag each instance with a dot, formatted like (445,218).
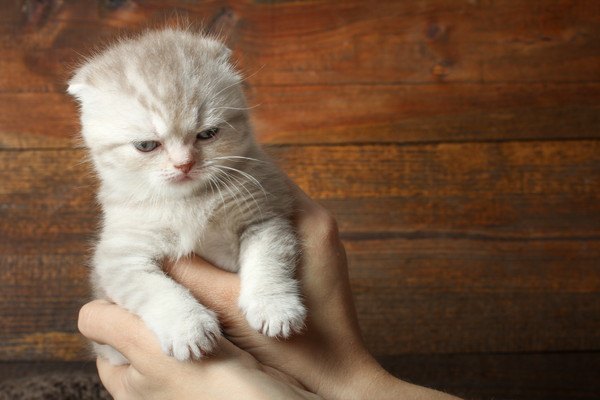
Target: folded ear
(78,84)
(224,54)
(75,89)
(216,49)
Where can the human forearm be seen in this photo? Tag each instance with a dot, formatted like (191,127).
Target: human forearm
(370,381)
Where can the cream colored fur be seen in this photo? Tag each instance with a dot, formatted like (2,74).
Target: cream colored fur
(232,207)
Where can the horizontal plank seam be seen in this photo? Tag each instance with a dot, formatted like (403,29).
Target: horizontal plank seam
(365,143)
(357,237)
(432,84)
(24,149)
(423,235)
(416,143)
(496,353)
(52,87)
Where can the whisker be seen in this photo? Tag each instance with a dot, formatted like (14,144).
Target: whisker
(238,157)
(218,190)
(212,190)
(247,175)
(242,79)
(84,160)
(243,185)
(222,120)
(231,192)
(245,78)
(216,186)
(237,108)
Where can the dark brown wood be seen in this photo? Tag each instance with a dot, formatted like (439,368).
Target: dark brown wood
(343,42)
(406,113)
(533,376)
(13,370)
(525,191)
(412,296)
(456,142)
(438,296)
(482,243)
(332,114)
(375,52)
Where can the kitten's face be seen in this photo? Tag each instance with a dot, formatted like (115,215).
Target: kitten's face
(160,111)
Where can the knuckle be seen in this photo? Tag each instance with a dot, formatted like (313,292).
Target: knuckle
(127,341)
(133,381)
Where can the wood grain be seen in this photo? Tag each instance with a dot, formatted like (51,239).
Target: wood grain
(39,302)
(343,42)
(502,221)
(456,142)
(533,376)
(495,296)
(383,114)
(532,43)
(499,297)
(518,191)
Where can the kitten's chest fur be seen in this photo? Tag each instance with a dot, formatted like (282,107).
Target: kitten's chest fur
(182,227)
(210,236)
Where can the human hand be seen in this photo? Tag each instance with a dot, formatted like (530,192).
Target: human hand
(329,358)
(230,373)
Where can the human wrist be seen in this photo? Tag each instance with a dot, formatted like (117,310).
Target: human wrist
(352,378)
(366,381)
(373,382)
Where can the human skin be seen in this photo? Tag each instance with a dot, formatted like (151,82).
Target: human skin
(329,358)
(230,373)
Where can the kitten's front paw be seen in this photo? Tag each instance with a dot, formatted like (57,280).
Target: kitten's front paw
(190,335)
(274,314)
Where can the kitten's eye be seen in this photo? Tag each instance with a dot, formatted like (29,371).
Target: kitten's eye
(207,134)
(146,146)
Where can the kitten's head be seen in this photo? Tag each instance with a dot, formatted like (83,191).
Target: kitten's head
(159,109)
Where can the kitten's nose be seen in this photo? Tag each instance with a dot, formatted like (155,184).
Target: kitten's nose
(185,168)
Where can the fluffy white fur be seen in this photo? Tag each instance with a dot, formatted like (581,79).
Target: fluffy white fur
(232,207)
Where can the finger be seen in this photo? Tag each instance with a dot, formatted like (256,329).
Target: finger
(316,225)
(112,376)
(215,288)
(303,202)
(107,323)
(219,289)
(323,270)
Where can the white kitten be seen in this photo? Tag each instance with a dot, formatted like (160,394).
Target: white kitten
(164,118)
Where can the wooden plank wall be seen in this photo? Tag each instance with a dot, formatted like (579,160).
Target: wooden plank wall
(456,141)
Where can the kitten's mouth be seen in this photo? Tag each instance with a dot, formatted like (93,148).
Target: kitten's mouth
(183,178)
(180,178)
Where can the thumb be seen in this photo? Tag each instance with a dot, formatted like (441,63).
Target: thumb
(107,323)
(215,288)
